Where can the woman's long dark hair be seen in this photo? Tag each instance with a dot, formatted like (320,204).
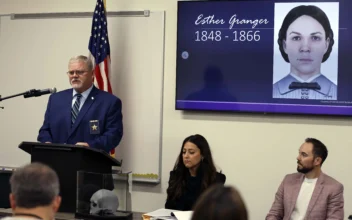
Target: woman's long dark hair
(178,182)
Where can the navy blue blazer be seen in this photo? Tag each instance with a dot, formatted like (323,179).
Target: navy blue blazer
(101,109)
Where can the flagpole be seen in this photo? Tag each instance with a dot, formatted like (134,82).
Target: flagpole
(104,2)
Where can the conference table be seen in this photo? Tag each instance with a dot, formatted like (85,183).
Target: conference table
(64,216)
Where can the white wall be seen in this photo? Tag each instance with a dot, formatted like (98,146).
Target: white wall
(254,151)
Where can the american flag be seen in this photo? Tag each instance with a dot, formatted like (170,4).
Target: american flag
(99,49)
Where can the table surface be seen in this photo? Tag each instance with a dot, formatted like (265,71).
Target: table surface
(65,216)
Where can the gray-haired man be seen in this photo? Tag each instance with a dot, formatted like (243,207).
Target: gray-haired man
(34,192)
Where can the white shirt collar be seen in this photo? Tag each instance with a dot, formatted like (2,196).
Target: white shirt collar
(308,80)
(84,94)
(310,180)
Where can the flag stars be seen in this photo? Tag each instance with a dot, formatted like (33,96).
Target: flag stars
(99,34)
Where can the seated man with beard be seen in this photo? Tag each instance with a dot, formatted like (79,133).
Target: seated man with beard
(308,194)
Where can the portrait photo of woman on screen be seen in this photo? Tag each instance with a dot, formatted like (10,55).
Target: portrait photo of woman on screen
(305,41)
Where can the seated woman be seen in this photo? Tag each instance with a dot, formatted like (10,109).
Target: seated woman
(193,173)
(220,202)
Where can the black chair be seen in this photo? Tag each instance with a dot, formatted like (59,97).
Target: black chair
(5,188)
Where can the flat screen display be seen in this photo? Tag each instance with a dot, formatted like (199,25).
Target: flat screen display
(292,57)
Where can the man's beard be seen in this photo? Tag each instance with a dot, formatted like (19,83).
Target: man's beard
(304,170)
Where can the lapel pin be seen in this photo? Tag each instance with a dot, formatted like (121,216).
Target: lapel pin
(92,98)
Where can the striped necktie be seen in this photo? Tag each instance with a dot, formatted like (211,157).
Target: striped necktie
(75,108)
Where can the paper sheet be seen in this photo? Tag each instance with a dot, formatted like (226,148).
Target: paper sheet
(183,215)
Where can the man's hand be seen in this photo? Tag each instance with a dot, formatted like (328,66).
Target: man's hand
(82,144)
(48,142)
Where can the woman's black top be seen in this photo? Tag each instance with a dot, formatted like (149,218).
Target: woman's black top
(191,192)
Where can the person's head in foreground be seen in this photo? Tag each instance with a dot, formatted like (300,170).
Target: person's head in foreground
(220,202)
(35,192)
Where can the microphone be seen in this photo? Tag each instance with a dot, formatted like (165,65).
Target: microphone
(37,92)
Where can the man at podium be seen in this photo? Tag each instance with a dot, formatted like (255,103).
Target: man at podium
(83,115)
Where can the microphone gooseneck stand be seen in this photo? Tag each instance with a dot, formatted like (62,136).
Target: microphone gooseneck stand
(0,101)
(30,93)
(12,96)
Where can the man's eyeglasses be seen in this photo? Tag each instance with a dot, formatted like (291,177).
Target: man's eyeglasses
(78,72)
